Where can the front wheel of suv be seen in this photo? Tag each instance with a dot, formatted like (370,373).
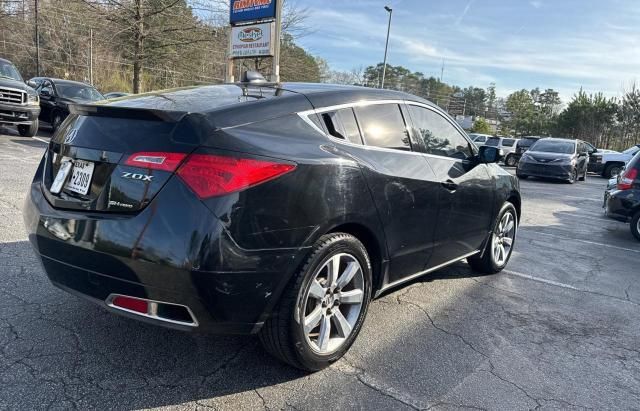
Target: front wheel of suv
(322,310)
(511,161)
(635,226)
(573,177)
(499,245)
(28,130)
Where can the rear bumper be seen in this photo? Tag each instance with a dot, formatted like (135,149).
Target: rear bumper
(622,205)
(175,251)
(562,172)
(15,114)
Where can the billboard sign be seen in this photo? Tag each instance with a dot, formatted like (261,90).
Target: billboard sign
(255,40)
(252,10)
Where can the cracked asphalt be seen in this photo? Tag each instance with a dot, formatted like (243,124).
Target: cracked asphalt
(560,329)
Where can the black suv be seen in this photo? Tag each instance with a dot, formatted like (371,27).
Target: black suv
(19,103)
(56,95)
(522,146)
(273,209)
(622,201)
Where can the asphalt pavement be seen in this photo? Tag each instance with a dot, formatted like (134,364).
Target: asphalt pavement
(559,329)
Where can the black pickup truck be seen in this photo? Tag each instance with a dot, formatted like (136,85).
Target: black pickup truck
(19,103)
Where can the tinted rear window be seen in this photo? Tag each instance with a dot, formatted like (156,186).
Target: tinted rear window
(493,142)
(383,126)
(508,142)
(527,142)
(634,162)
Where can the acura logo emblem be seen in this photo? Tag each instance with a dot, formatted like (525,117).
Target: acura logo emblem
(71,135)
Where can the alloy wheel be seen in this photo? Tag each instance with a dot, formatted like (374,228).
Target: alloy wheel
(503,239)
(333,303)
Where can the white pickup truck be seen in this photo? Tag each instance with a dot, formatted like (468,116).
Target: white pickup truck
(610,164)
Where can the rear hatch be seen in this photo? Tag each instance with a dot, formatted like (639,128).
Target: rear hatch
(115,159)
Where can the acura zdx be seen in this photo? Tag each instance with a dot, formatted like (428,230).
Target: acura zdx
(280,210)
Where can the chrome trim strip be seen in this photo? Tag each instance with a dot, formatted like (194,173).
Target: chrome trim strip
(152,312)
(416,275)
(304,115)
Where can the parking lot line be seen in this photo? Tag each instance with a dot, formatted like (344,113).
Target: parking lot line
(583,241)
(541,280)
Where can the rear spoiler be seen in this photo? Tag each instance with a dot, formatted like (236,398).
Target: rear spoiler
(135,113)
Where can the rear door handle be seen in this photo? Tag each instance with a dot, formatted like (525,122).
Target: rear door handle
(449,185)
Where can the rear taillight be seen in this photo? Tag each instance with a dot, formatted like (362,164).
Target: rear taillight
(625,182)
(213,175)
(131,304)
(156,160)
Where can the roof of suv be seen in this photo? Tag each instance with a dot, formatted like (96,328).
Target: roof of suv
(205,99)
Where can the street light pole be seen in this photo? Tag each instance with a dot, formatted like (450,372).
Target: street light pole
(386,46)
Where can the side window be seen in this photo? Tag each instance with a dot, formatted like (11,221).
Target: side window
(508,142)
(342,124)
(440,137)
(481,139)
(383,126)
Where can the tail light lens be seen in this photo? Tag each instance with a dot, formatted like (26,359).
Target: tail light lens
(214,175)
(131,304)
(156,160)
(625,182)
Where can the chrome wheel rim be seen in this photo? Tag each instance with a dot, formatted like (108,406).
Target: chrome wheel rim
(333,303)
(503,239)
(638,226)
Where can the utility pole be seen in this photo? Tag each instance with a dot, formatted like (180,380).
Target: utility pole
(91,56)
(442,71)
(386,46)
(276,58)
(37,42)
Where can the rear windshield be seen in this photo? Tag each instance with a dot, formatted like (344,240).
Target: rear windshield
(549,146)
(493,142)
(527,142)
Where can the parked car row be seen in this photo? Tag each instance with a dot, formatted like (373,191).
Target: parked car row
(25,104)
(622,196)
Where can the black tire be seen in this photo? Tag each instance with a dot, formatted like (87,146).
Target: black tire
(29,130)
(612,170)
(635,226)
(485,262)
(56,120)
(574,176)
(511,161)
(282,334)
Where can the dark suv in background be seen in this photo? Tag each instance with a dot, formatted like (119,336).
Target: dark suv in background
(522,146)
(56,95)
(255,208)
(19,103)
(622,201)
(556,158)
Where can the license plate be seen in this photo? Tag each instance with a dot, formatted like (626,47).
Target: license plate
(61,177)
(80,179)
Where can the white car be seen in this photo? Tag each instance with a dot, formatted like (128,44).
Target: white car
(611,164)
(508,146)
(479,139)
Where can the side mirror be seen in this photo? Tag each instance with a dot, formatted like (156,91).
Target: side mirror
(44,92)
(488,154)
(31,84)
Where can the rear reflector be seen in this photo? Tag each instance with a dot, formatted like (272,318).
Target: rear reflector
(625,182)
(132,304)
(213,175)
(156,160)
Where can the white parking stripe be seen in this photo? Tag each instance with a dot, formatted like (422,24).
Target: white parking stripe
(581,241)
(541,280)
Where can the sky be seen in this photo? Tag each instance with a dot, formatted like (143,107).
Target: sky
(561,44)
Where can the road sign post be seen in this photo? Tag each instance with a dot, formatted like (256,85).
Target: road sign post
(255,32)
